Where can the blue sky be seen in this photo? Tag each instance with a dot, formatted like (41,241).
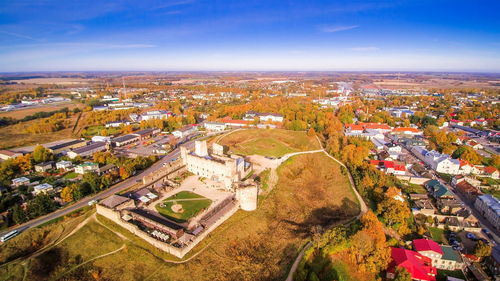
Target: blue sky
(437,35)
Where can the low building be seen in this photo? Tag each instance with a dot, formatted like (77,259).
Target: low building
(44,167)
(449,206)
(20,181)
(125,140)
(147,133)
(389,167)
(42,188)
(117,124)
(7,154)
(492,172)
(468,190)
(64,165)
(88,150)
(86,168)
(101,139)
(443,257)
(107,169)
(489,207)
(215,126)
(63,147)
(185,131)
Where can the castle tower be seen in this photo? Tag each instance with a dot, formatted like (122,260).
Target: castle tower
(247,196)
(201,148)
(184,153)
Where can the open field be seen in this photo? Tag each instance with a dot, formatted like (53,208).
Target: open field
(272,142)
(437,234)
(257,245)
(97,131)
(190,208)
(16,135)
(58,80)
(21,113)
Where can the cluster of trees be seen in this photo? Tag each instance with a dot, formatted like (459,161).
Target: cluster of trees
(40,205)
(54,123)
(362,247)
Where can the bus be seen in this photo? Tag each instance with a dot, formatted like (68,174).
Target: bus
(9,235)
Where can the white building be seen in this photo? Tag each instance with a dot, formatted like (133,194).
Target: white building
(101,139)
(65,165)
(155,114)
(185,131)
(214,126)
(441,163)
(20,181)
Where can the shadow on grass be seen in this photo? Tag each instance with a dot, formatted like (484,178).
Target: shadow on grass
(324,217)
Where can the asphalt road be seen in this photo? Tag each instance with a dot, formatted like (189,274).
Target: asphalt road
(112,190)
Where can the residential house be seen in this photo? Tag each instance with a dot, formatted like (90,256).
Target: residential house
(449,206)
(87,167)
(467,168)
(474,144)
(44,167)
(491,172)
(419,266)
(468,190)
(42,188)
(20,181)
(443,257)
(389,167)
(457,179)
(489,207)
(64,165)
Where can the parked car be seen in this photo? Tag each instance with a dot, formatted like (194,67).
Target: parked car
(471,236)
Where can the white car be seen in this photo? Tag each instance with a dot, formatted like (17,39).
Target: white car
(92,202)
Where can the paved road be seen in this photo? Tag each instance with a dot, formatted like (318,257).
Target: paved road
(112,190)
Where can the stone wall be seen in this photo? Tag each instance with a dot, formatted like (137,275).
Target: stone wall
(162,172)
(178,252)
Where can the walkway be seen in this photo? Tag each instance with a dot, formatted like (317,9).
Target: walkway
(362,204)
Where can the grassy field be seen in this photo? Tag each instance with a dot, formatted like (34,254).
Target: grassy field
(97,130)
(16,136)
(443,274)
(190,207)
(268,142)
(70,175)
(21,113)
(258,245)
(437,234)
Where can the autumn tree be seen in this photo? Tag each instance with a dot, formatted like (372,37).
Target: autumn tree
(482,249)
(401,274)
(41,154)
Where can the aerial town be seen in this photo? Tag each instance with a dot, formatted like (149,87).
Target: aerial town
(301,140)
(179,162)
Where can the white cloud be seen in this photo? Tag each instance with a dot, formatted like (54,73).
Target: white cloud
(18,35)
(364,49)
(331,29)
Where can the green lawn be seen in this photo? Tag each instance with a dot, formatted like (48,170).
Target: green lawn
(190,208)
(437,234)
(70,175)
(268,142)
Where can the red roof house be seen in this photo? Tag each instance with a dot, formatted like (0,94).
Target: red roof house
(425,245)
(419,267)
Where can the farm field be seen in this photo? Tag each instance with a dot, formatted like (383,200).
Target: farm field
(258,245)
(268,142)
(191,204)
(21,113)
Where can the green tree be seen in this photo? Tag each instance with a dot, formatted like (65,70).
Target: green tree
(18,214)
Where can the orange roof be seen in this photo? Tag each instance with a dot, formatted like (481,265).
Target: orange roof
(354,127)
(229,120)
(406,129)
(464,163)
(490,169)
